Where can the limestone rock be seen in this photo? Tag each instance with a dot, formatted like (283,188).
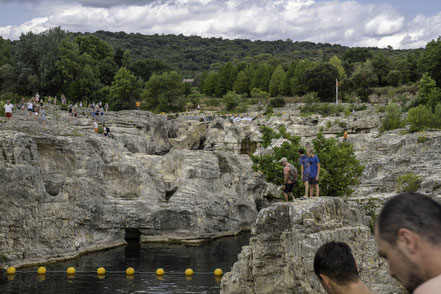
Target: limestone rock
(285,238)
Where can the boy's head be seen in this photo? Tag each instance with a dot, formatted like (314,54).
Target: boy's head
(310,153)
(335,266)
(301,151)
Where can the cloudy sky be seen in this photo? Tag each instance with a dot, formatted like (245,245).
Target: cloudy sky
(398,23)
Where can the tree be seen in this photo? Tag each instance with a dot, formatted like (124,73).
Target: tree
(382,66)
(394,78)
(5,51)
(164,93)
(261,77)
(277,82)
(226,77)
(354,55)
(231,100)
(420,118)
(295,76)
(341,168)
(243,80)
(321,79)
(145,68)
(338,64)
(363,79)
(123,90)
(94,46)
(431,61)
(79,74)
(209,83)
(392,120)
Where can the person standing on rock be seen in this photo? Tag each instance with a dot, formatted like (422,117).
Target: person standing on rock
(95,126)
(30,108)
(70,108)
(345,136)
(314,173)
(304,170)
(8,110)
(337,270)
(289,177)
(106,107)
(408,236)
(138,105)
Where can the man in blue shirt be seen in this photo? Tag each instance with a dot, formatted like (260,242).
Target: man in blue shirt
(314,173)
(304,170)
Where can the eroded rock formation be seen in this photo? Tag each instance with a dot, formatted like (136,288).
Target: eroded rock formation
(285,238)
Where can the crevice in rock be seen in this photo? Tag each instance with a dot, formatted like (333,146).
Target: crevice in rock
(201,143)
(132,235)
(170,193)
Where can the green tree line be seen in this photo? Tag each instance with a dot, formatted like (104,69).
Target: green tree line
(121,68)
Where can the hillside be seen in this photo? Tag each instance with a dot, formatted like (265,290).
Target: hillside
(192,54)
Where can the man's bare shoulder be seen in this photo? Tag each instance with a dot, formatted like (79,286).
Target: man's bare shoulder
(432,286)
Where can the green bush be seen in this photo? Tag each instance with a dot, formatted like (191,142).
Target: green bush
(420,118)
(408,182)
(422,139)
(278,102)
(392,120)
(214,102)
(257,93)
(2,108)
(100,129)
(64,107)
(339,167)
(231,100)
(269,110)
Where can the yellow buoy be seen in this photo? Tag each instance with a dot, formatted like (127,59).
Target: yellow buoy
(70,270)
(160,272)
(189,272)
(11,270)
(130,271)
(101,271)
(41,270)
(218,272)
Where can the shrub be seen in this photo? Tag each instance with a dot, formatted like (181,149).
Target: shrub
(347,111)
(100,129)
(392,120)
(269,110)
(422,139)
(64,107)
(2,108)
(278,102)
(408,182)
(213,102)
(257,93)
(420,118)
(231,100)
(339,167)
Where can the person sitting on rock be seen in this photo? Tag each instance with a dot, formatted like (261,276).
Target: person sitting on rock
(289,177)
(337,271)
(408,235)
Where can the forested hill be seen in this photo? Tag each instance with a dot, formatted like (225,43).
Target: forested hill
(190,55)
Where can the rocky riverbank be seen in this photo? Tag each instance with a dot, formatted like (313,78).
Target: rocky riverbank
(66,190)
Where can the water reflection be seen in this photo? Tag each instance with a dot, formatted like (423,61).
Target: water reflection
(145,259)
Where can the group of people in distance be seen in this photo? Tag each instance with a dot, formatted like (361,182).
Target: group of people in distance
(408,236)
(309,173)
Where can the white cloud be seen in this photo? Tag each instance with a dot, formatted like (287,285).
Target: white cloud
(346,22)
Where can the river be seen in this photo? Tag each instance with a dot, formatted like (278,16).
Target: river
(145,259)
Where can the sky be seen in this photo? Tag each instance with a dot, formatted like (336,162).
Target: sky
(402,24)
